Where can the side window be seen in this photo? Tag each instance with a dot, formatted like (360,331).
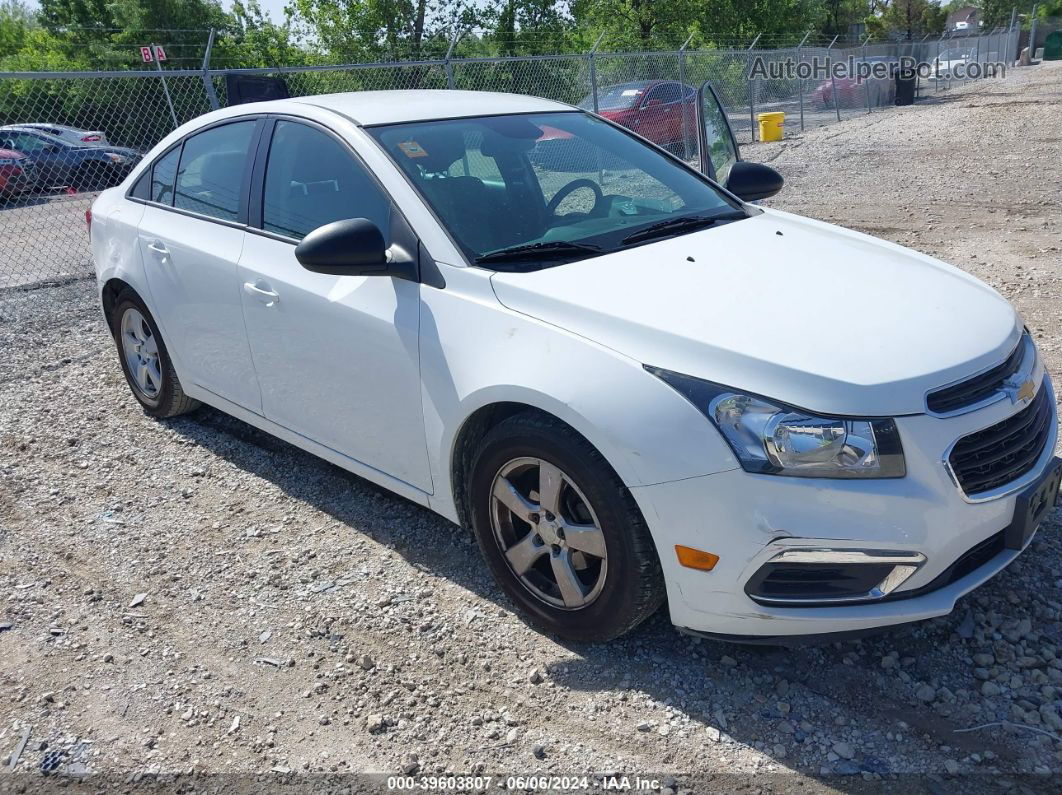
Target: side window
(311,179)
(670,92)
(163,173)
(211,170)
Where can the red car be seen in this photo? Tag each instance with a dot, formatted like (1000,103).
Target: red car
(654,109)
(851,91)
(16,173)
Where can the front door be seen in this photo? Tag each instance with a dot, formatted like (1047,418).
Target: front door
(190,244)
(337,357)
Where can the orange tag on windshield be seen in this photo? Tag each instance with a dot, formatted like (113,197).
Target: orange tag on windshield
(412,149)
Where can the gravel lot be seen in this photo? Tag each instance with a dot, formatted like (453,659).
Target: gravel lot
(193,595)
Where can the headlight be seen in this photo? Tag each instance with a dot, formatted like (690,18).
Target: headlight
(772,438)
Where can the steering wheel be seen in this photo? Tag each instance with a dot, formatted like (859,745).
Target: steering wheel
(569,189)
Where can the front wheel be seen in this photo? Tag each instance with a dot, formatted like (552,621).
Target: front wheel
(560,532)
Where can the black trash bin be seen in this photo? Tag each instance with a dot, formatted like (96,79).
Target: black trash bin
(906,81)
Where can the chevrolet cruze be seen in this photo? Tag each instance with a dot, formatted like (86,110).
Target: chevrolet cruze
(632,384)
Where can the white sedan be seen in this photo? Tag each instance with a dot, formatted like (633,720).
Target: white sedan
(632,385)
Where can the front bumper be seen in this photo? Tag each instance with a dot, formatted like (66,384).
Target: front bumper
(749,519)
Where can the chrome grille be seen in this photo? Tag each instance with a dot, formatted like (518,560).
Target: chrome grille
(1002,453)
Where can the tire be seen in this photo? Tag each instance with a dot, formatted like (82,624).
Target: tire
(164,396)
(621,589)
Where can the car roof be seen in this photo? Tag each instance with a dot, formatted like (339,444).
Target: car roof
(390,107)
(22,128)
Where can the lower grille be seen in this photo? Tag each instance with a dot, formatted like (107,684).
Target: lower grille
(994,457)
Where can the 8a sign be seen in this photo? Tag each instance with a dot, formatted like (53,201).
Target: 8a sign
(153,53)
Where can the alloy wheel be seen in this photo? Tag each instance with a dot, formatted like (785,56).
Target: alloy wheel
(141,354)
(548,533)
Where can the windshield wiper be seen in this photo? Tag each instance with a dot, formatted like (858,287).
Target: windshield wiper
(685,223)
(557,249)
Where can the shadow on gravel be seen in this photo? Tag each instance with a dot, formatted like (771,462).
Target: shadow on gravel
(766,697)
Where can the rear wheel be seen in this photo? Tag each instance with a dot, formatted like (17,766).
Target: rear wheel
(145,360)
(560,531)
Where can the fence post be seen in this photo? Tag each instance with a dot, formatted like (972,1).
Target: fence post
(165,88)
(752,90)
(592,57)
(685,115)
(866,83)
(800,83)
(1032,36)
(447,66)
(208,83)
(833,79)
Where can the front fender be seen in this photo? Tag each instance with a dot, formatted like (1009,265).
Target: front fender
(476,352)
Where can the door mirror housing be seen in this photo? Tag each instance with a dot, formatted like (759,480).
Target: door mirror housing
(352,247)
(753,181)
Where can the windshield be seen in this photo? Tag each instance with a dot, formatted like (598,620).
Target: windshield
(562,186)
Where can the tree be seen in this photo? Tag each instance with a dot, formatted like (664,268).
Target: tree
(640,24)
(16,23)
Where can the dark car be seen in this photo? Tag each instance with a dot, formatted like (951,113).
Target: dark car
(63,164)
(655,109)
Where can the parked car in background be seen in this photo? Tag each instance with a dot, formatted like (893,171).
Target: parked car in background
(16,173)
(851,91)
(72,135)
(662,111)
(62,164)
(945,63)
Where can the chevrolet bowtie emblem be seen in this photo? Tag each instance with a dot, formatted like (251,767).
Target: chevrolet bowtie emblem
(1026,392)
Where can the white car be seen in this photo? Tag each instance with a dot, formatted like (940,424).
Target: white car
(631,384)
(71,135)
(947,62)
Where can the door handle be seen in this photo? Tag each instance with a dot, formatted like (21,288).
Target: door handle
(159,248)
(266,296)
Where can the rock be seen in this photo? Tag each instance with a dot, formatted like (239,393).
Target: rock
(512,736)
(951,767)
(375,723)
(535,677)
(644,726)
(713,734)
(366,662)
(265,636)
(410,764)
(538,751)
(235,727)
(990,689)
(926,693)
(728,661)
(966,628)
(138,600)
(843,750)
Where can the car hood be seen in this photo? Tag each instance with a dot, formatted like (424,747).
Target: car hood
(807,313)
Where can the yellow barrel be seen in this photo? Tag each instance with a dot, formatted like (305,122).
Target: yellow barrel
(772,126)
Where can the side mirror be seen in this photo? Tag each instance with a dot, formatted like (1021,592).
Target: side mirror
(753,181)
(353,247)
(653,103)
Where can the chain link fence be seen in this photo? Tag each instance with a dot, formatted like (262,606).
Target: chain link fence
(88,129)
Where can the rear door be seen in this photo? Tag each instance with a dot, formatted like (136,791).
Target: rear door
(337,356)
(191,238)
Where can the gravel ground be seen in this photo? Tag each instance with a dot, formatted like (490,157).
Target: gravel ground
(195,596)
